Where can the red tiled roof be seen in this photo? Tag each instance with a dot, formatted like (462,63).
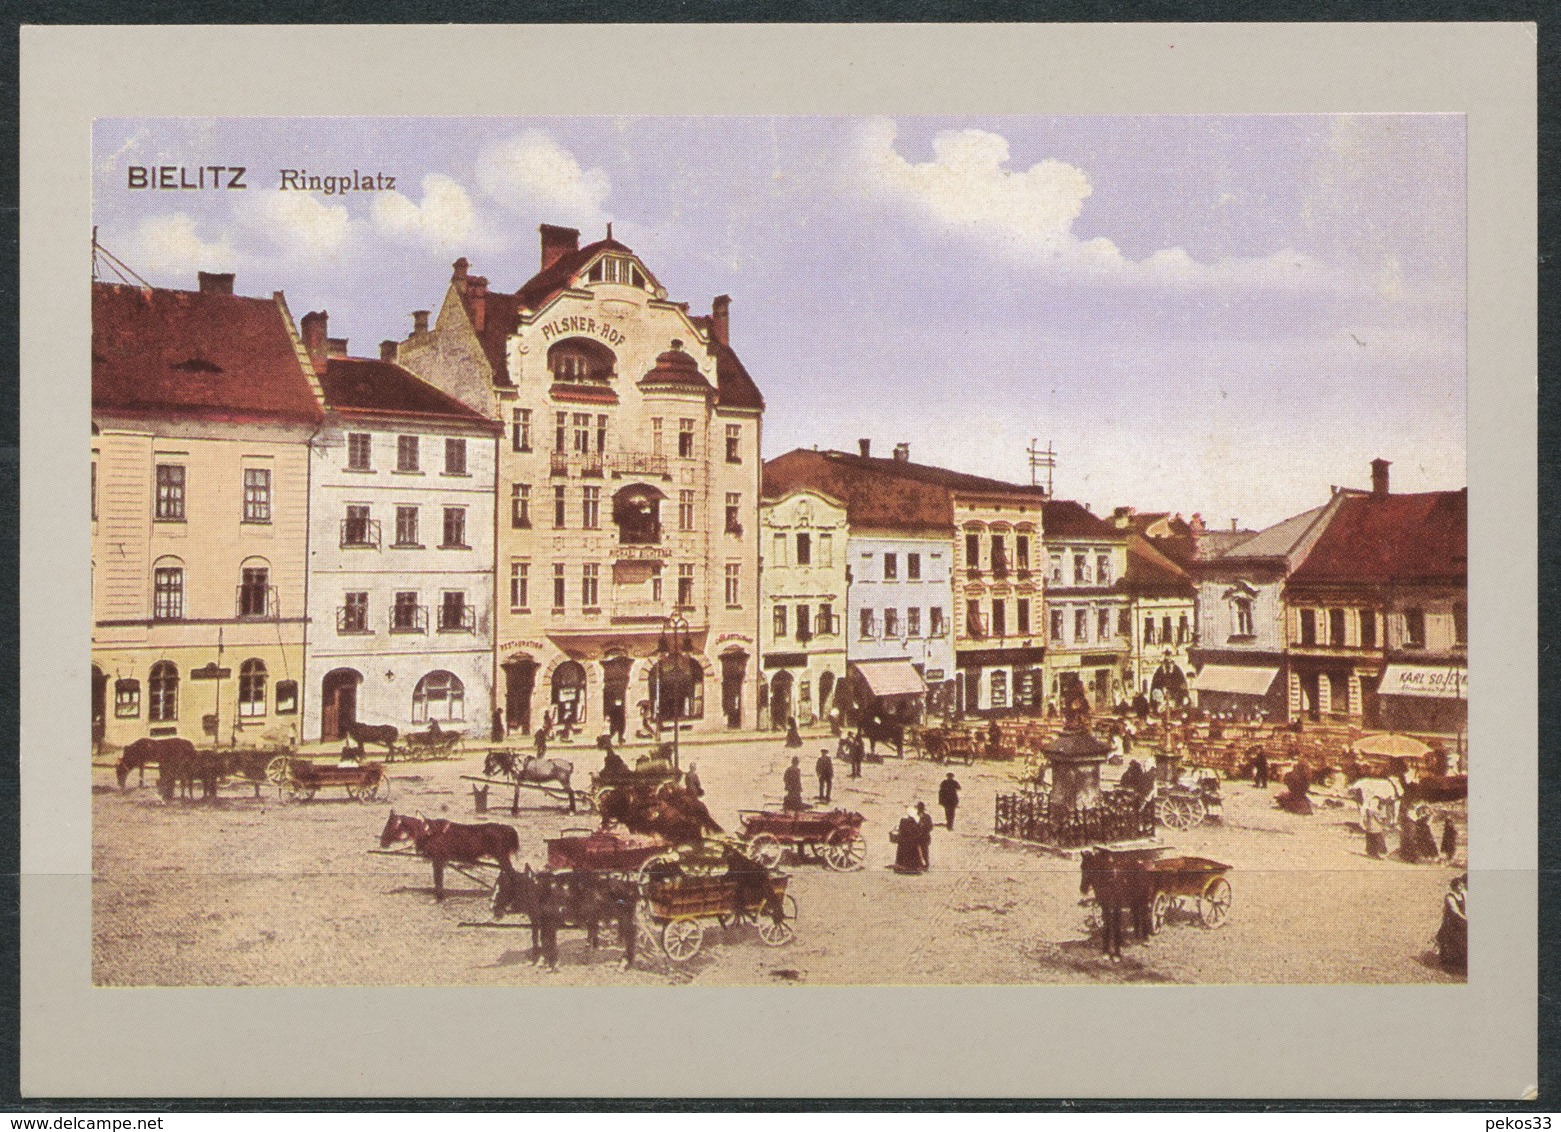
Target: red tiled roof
(873,498)
(1151,573)
(1392,538)
(196,353)
(734,388)
(1063,519)
(369,385)
(536,291)
(675,368)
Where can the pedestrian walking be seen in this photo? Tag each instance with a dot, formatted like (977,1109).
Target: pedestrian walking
(1449,840)
(857,751)
(793,736)
(1260,769)
(825,769)
(496,733)
(792,781)
(924,824)
(907,840)
(539,740)
(691,782)
(1374,821)
(948,798)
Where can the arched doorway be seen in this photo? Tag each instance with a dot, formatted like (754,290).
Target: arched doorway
(99,705)
(569,695)
(615,695)
(520,677)
(677,688)
(734,669)
(780,699)
(826,691)
(338,703)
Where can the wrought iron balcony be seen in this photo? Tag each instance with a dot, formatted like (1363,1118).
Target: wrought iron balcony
(256,602)
(638,464)
(360,533)
(457,618)
(352,619)
(409,619)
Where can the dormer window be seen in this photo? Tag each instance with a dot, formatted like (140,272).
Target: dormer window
(580,361)
(617,269)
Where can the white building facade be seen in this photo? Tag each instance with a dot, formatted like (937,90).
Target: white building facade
(1089,626)
(901,607)
(803,622)
(401,527)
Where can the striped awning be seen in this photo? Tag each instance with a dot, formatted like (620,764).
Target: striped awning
(1234,679)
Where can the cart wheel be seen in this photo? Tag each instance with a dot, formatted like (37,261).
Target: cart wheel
(846,850)
(681,939)
(279,770)
(366,792)
(299,791)
(1159,911)
(777,933)
(767,850)
(1195,812)
(1214,904)
(647,941)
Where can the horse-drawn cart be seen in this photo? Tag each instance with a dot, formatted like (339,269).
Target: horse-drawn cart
(300,779)
(1194,885)
(604,850)
(1189,800)
(833,837)
(675,909)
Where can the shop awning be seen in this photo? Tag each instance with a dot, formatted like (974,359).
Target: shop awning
(1431,681)
(1235,679)
(890,677)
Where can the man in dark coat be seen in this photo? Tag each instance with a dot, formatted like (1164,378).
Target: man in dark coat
(793,736)
(858,750)
(792,781)
(907,838)
(540,739)
(825,769)
(924,824)
(948,798)
(1260,769)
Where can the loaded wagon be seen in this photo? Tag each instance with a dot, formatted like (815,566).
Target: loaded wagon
(300,779)
(675,909)
(833,837)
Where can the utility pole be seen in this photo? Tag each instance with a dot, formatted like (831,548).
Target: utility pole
(1041,458)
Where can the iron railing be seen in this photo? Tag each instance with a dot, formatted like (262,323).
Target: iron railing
(1031,816)
(457,618)
(360,533)
(409,619)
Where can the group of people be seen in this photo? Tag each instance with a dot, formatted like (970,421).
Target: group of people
(1417,842)
(913,836)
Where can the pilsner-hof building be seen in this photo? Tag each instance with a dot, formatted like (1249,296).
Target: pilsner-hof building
(628,481)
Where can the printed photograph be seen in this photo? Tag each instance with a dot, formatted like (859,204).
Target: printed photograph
(737,551)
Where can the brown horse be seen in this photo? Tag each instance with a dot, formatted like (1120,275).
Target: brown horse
(144,752)
(673,812)
(567,900)
(444,841)
(383,734)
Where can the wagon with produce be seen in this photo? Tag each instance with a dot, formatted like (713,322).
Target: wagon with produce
(300,779)
(832,837)
(676,908)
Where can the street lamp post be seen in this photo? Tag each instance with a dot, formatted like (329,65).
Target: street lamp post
(672,653)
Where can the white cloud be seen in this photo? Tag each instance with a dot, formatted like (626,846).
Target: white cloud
(305,227)
(531,173)
(171,245)
(969,189)
(445,220)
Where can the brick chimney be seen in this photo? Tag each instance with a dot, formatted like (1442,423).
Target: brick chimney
(312,327)
(902,453)
(477,296)
(721,319)
(557,242)
(458,274)
(1379,478)
(419,322)
(215,283)
(865,446)
(387,350)
(336,347)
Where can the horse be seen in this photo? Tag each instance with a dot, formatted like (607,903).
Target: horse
(141,753)
(383,734)
(531,769)
(444,841)
(567,900)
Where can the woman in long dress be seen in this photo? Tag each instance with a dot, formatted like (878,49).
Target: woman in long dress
(907,851)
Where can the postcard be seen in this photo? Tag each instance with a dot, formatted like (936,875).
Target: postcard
(782,553)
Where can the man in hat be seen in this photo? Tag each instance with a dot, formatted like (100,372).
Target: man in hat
(948,798)
(825,769)
(792,781)
(924,824)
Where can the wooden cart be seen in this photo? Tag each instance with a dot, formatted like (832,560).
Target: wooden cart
(675,910)
(1194,885)
(833,837)
(300,779)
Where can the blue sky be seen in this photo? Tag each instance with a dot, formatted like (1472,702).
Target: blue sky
(1221,315)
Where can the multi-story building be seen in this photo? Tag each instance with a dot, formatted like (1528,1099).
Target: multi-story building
(1089,627)
(203,407)
(1377,613)
(964,629)
(1162,601)
(802,593)
(628,488)
(400,550)
(1241,639)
